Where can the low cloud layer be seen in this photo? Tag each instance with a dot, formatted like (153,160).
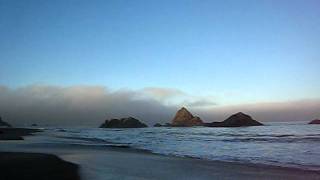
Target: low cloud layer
(300,110)
(77,105)
(91,105)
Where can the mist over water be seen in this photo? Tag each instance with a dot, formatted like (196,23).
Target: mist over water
(91,105)
(281,144)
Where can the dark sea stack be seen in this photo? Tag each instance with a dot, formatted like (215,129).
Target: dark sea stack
(4,124)
(236,120)
(157,125)
(184,118)
(316,121)
(129,122)
(241,119)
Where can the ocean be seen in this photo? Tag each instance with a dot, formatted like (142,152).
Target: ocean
(281,144)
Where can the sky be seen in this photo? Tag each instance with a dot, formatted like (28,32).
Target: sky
(148,58)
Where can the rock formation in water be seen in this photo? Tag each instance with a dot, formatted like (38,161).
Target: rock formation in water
(236,120)
(316,121)
(129,122)
(3,123)
(184,118)
(157,125)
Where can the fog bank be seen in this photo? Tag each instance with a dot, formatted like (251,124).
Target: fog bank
(91,105)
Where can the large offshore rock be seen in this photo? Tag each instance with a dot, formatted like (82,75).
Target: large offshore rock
(129,122)
(236,120)
(184,118)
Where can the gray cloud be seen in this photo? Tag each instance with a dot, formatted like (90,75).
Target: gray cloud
(90,105)
(162,93)
(200,103)
(77,105)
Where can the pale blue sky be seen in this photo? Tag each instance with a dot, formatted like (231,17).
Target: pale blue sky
(240,51)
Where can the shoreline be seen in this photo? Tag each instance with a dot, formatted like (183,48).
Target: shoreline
(141,163)
(128,148)
(107,144)
(105,162)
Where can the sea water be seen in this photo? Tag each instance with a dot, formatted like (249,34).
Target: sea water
(281,144)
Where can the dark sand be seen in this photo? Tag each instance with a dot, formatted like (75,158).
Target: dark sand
(35,166)
(32,166)
(15,133)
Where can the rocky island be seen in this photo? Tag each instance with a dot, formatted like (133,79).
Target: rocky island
(236,120)
(157,125)
(316,121)
(129,122)
(184,118)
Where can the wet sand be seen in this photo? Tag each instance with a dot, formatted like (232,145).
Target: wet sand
(115,163)
(105,162)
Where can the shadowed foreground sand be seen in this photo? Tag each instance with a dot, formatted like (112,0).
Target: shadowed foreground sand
(15,133)
(30,166)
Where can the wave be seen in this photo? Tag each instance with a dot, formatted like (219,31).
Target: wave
(277,145)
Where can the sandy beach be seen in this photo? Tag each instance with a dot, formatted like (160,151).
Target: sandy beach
(15,133)
(106,162)
(30,166)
